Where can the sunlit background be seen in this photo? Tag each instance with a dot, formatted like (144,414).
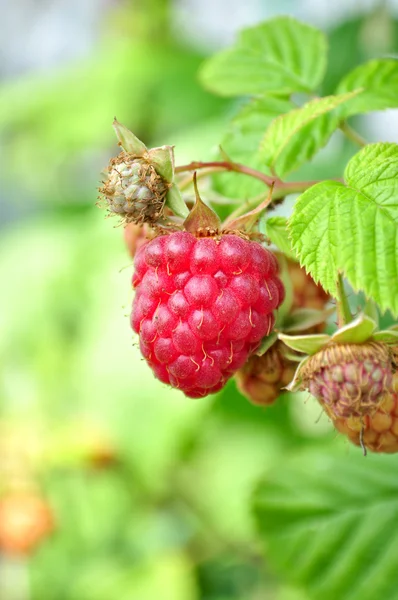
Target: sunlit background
(130,490)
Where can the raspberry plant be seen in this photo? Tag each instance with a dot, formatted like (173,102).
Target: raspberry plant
(207,290)
(116,485)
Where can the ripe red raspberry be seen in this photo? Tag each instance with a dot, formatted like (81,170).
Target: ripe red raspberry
(349,379)
(202,306)
(262,377)
(379,431)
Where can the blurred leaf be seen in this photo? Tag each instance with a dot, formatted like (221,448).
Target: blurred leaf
(242,141)
(55,348)
(280,56)
(168,577)
(329,524)
(294,138)
(305,318)
(379,80)
(345,51)
(58,126)
(218,482)
(276,230)
(251,122)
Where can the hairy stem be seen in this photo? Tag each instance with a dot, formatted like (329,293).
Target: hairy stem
(352,135)
(343,308)
(281,188)
(228,166)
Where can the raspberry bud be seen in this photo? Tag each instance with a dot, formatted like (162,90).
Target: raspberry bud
(25,519)
(262,377)
(349,379)
(134,190)
(202,306)
(378,432)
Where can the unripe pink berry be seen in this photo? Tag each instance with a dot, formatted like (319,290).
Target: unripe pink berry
(349,379)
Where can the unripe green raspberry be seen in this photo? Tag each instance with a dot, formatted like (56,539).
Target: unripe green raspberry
(134,190)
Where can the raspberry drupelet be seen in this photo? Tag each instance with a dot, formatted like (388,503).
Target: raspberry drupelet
(202,306)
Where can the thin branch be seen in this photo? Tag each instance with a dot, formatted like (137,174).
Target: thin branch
(352,135)
(229,166)
(188,181)
(281,188)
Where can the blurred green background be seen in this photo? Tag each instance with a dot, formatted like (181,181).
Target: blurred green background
(149,491)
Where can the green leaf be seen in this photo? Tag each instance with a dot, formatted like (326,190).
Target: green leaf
(353,228)
(356,332)
(251,122)
(281,55)
(329,524)
(294,138)
(276,230)
(175,202)
(242,141)
(379,80)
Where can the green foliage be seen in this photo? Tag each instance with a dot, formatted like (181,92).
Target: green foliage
(293,138)
(379,81)
(353,228)
(329,524)
(242,141)
(280,56)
